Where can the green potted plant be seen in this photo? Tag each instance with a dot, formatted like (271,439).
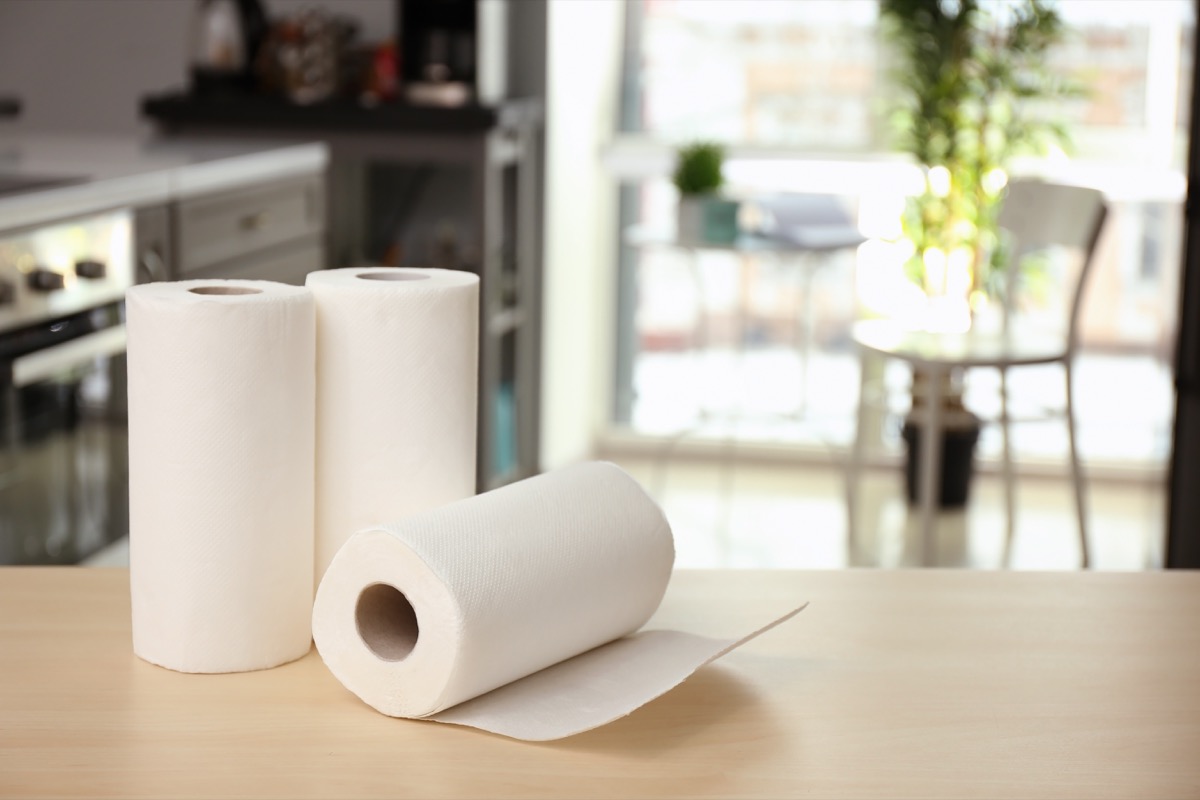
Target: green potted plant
(704,216)
(972,85)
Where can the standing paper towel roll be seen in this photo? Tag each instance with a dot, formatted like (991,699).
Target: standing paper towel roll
(221,415)
(397,357)
(506,611)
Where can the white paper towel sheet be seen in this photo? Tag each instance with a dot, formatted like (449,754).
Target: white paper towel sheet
(397,357)
(221,415)
(506,611)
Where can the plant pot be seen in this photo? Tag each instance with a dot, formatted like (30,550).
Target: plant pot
(707,219)
(959,438)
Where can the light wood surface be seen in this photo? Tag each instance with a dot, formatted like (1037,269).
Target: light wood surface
(891,684)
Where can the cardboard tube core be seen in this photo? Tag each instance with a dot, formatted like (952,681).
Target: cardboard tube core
(386,622)
(224,290)
(392,276)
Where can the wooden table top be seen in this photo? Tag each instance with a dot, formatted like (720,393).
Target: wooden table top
(910,683)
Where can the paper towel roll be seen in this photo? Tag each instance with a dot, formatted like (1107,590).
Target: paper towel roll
(221,415)
(397,357)
(505,611)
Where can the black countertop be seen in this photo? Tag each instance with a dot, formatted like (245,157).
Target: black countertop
(184,110)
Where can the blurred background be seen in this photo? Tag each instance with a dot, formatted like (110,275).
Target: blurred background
(802,93)
(539,143)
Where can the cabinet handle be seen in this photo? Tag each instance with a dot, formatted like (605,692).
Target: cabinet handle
(151,265)
(252,222)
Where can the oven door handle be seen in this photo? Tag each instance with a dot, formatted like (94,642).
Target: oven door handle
(43,364)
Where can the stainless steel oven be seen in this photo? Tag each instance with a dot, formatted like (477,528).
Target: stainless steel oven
(63,443)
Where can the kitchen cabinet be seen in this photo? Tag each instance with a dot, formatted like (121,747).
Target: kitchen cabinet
(266,232)
(152,243)
(272,231)
(456,188)
(67,206)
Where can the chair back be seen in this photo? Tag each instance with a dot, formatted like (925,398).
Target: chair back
(1040,215)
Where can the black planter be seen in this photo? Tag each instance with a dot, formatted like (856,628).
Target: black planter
(958,462)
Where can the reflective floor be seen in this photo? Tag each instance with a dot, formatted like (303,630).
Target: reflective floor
(765,390)
(759,515)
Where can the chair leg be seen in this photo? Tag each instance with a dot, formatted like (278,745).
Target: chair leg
(1077,472)
(807,331)
(855,465)
(929,484)
(728,460)
(658,488)
(1009,478)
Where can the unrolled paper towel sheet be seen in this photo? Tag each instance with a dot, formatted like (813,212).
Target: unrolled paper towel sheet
(221,387)
(511,611)
(397,357)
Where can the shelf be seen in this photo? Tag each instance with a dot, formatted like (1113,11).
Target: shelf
(400,177)
(347,115)
(809,239)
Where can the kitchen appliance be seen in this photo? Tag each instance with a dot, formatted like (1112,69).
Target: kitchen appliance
(452,52)
(226,35)
(63,443)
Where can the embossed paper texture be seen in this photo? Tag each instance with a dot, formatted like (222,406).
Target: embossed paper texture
(397,360)
(221,456)
(515,611)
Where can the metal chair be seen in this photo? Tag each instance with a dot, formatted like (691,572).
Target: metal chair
(801,228)
(1038,216)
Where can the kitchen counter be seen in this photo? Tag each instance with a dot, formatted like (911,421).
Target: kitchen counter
(927,684)
(98,173)
(174,110)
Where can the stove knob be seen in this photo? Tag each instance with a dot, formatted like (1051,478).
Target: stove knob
(93,270)
(8,293)
(45,280)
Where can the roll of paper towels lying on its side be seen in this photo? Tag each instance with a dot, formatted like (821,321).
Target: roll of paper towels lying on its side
(221,458)
(510,611)
(397,357)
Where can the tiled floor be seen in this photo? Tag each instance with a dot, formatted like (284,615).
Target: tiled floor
(780,514)
(768,515)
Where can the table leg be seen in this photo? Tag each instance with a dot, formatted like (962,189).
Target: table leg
(1010,480)
(930,452)
(855,467)
(807,329)
(697,353)
(729,445)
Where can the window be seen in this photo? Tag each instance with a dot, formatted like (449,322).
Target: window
(797,91)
